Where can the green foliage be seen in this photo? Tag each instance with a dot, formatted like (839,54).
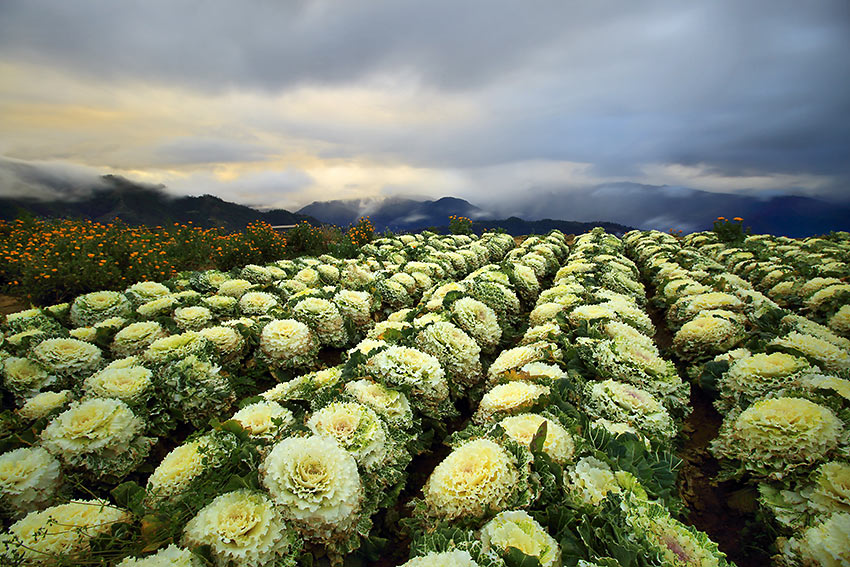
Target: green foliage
(460,225)
(731,232)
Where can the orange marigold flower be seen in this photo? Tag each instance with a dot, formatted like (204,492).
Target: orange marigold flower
(738,219)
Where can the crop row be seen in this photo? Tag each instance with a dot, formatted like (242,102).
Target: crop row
(571,442)
(780,382)
(808,276)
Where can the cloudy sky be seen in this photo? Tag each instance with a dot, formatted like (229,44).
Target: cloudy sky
(282,103)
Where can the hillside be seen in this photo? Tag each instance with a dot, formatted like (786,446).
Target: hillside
(136,205)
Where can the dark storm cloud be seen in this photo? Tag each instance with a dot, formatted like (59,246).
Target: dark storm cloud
(738,88)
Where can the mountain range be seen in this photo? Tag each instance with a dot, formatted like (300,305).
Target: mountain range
(537,210)
(622,205)
(116,197)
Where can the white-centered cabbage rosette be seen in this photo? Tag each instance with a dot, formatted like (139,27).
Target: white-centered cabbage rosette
(228,342)
(819,351)
(558,444)
(221,306)
(142,292)
(177,347)
(25,377)
(316,485)
(637,362)
(478,320)
(709,333)
(192,318)
(825,543)
(265,420)
(621,402)
(456,558)
(357,307)
(324,318)
(392,405)
(27,319)
(517,529)
(171,556)
(456,351)
(187,463)
(243,527)
(131,384)
(591,480)
(98,306)
(514,359)
(775,437)
(357,428)
(195,387)
(160,307)
(306,387)
(44,404)
(478,477)
(30,478)
(510,398)
(398,366)
(235,288)
(667,541)
(136,337)
(756,376)
(102,436)
(256,303)
(287,343)
(67,358)
(59,533)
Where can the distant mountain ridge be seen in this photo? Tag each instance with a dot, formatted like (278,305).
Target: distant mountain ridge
(143,205)
(680,208)
(393,213)
(622,205)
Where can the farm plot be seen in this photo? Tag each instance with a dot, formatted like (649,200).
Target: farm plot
(780,382)
(438,400)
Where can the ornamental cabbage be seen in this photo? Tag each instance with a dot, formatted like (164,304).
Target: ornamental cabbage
(103,436)
(455,350)
(98,306)
(509,399)
(774,437)
(29,479)
(517,529)
(558,444)
(456,558)
(324,318)
(316,484)
(390,404)
(287,343)
(357,428)
(67,357)
(264,420)
(62,532)
(476,478)
(171,556)
(135,338)
(243,528)
(618,401)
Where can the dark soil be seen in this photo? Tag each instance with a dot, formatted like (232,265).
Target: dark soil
(724,511)
(10,304)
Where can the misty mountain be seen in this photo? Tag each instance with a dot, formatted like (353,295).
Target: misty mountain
(517,226)
(114,197)
(393,213)
(680,208)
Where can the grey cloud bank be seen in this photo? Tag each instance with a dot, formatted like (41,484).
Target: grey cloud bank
(722,96)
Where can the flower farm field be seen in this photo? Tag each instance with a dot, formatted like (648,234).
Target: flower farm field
(427,400)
